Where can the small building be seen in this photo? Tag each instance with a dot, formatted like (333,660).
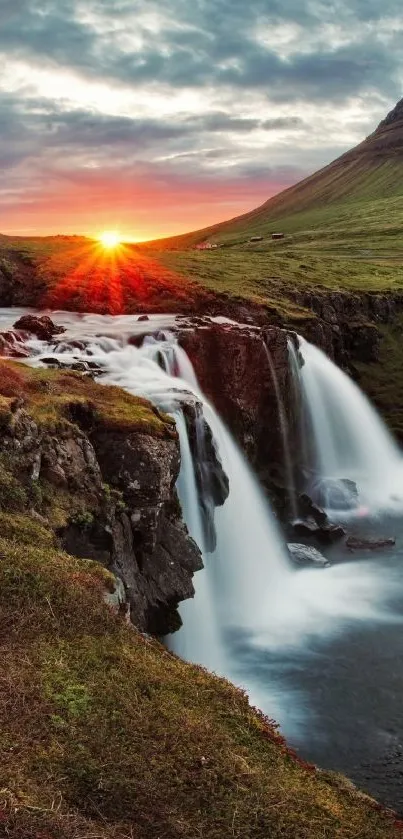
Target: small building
(256,239)
(277,235)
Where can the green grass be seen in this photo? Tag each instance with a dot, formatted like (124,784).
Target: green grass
(105,734)
(55,398)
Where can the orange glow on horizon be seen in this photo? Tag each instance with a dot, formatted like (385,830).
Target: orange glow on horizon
(110,239)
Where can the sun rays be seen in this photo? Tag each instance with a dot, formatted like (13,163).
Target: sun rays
(112,277)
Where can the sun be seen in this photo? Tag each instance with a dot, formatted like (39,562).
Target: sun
(110,239)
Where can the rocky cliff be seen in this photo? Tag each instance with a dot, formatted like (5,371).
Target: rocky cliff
(244,371)
(98,468)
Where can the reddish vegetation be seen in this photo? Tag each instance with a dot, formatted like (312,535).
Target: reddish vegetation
(11,381)
(122,280)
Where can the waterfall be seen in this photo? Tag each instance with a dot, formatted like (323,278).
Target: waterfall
(250,555)
(349,441)
(249,600)
(284,436)
(299,399)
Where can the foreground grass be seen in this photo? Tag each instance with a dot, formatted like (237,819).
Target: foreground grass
(105,734)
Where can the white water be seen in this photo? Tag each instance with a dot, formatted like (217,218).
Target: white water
(248,589)
(349,439)
(284,436)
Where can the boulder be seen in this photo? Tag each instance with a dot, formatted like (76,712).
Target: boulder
(358,543)
(41,326)
(306,556)
(142,318)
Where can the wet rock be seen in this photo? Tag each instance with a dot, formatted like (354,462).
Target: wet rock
(41,326)
(53,363)
(142,318)
(306,556)
(152,550)
(211,481)
(233,365)
(12,345)
(326,533)
(305,527)
(118,505)
(331,533)
(309,509)
(358,543)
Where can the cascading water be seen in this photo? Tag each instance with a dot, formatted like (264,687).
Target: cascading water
(349,440)
(284,436)
(248,598)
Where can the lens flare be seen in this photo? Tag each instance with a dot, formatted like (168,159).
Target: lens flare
(110,239)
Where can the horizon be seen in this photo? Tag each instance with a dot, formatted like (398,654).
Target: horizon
(154,120)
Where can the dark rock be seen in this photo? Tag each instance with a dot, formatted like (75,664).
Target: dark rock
(326,533)
(152,550)
(306,556)
(305,527)
(124,508)
(142,318)
(41,326)
(358,543)
(309,509)
(234,365)
(51,361)
(331,533)
(211,481)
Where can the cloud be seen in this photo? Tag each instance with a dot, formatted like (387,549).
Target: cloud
(215,42)
(169,93)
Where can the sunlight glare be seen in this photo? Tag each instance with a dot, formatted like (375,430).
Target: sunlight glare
(110,239)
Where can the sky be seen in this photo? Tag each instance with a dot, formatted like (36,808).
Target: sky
(155,117)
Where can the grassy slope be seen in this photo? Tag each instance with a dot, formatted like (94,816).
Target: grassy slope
(105,734)
(343,230)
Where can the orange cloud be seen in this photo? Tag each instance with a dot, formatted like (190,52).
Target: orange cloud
(140,206)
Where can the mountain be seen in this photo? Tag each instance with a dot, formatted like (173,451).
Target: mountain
(370,172)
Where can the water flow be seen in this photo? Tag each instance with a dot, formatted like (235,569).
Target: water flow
(350,441)
(285,436)
(299,400)
(248,598)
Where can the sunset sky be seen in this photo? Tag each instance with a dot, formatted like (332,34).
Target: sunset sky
(155,117)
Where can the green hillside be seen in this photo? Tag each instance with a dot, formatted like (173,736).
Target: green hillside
(342,226)
(363,181)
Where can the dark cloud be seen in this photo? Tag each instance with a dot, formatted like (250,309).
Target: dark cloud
(210,42)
